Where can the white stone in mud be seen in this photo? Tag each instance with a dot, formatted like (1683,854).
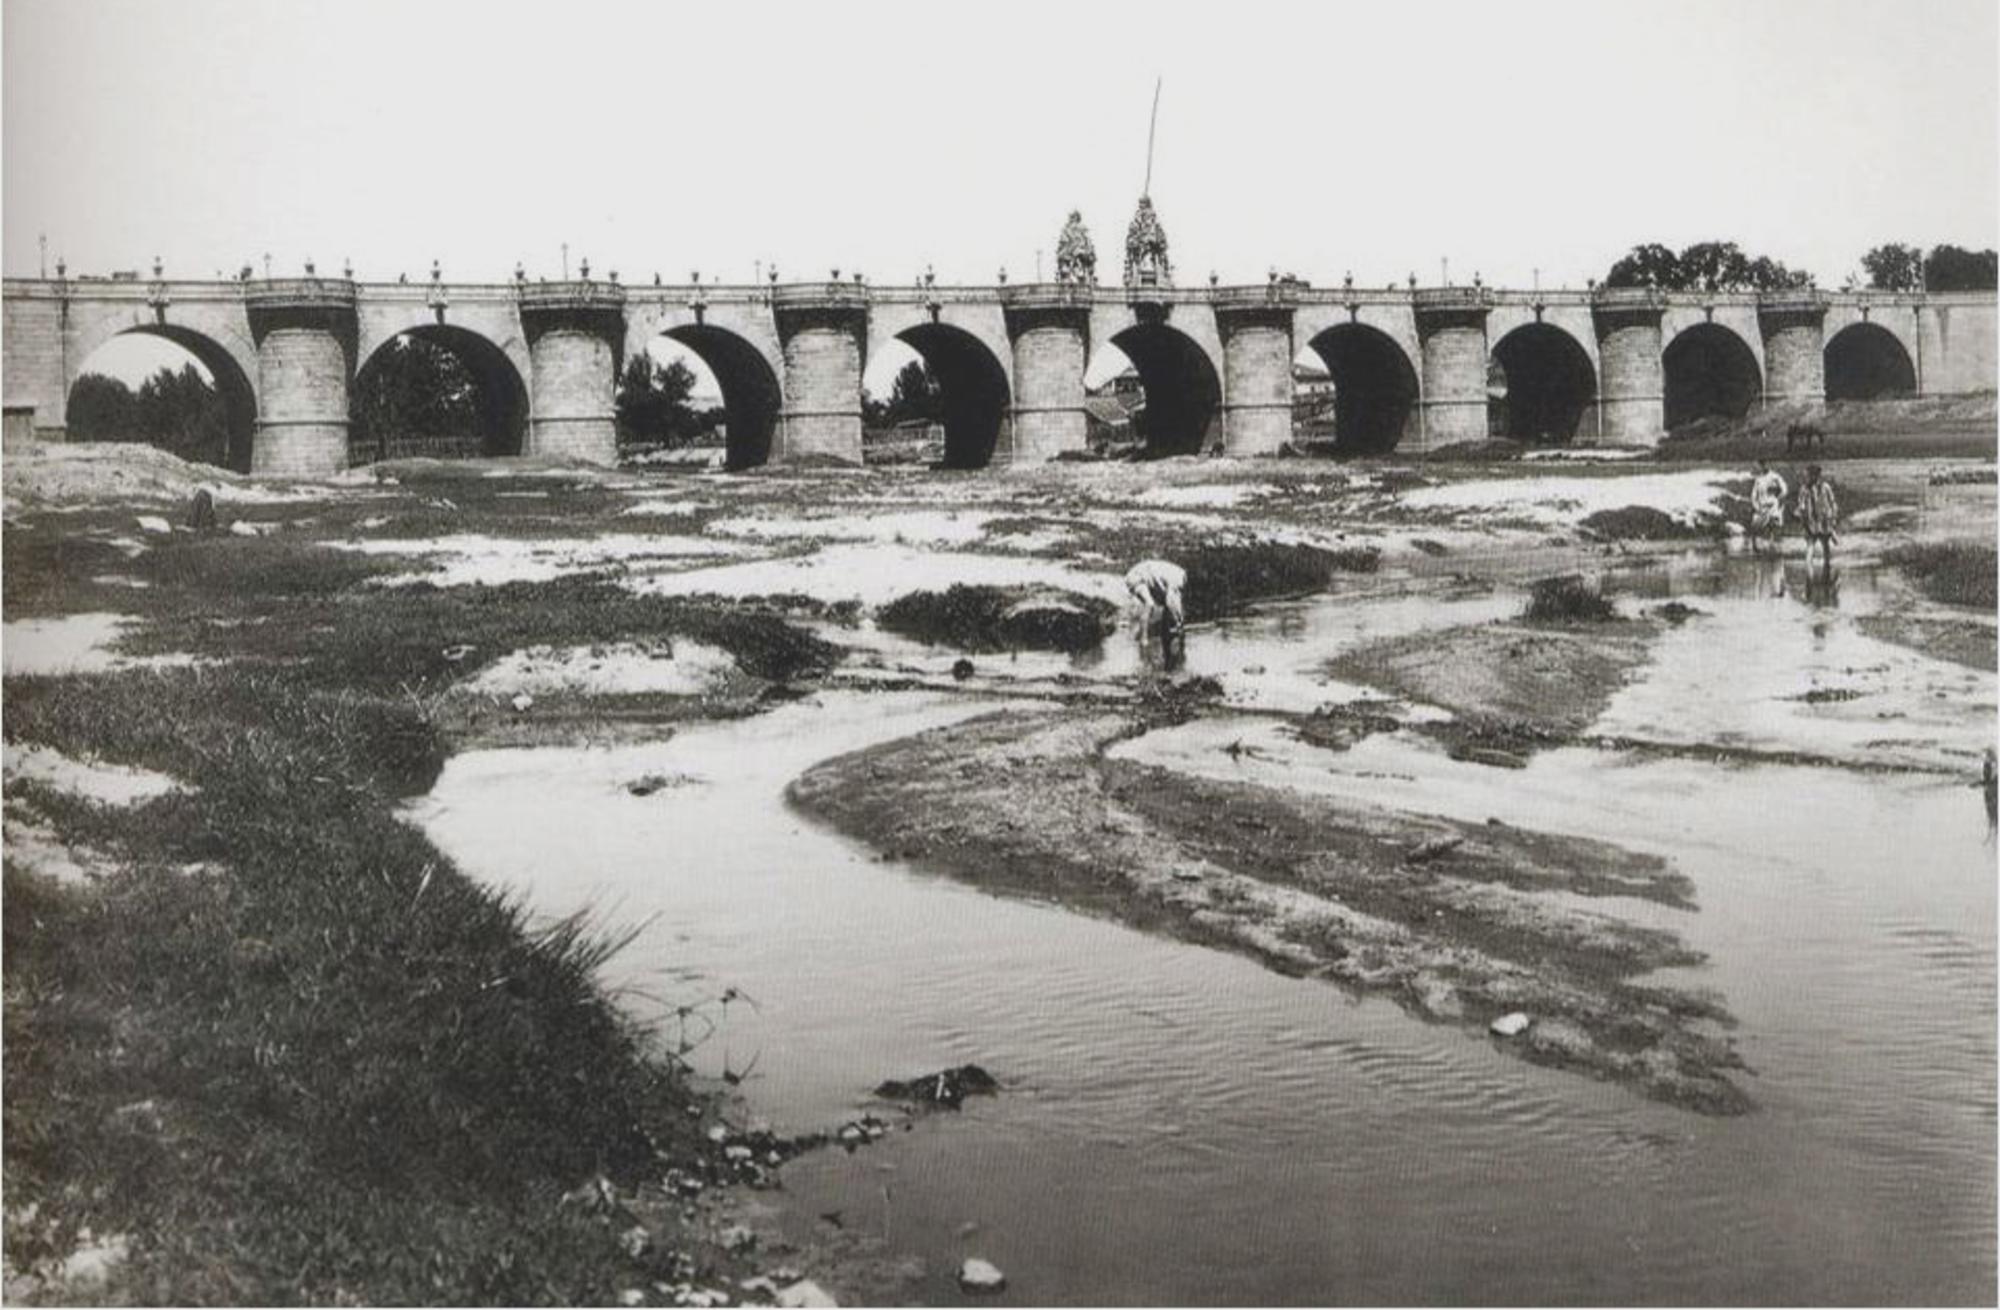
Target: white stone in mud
(978,1276)
(805,1294)
(1511,1025)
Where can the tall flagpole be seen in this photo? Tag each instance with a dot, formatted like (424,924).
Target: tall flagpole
(1151,124)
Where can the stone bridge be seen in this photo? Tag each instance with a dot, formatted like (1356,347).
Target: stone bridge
(1413,368)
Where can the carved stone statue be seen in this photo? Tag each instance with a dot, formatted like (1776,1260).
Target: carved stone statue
(1076,257)
(1146,262)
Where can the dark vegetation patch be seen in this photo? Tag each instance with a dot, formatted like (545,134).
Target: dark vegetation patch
(1339,727)
(1641,523)
(980,618)
(1954,572)
(1223,579)
(1962,641)
(1567,599)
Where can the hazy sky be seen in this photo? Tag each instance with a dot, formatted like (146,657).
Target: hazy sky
(1374,137)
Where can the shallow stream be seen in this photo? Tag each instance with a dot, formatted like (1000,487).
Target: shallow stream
(1181,1125)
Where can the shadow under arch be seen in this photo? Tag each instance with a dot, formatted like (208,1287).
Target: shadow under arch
(1551,385)
(499,399)
(1183,395)
(751,397)
(1865,361)
(1708,371)
(232,385)
(972,391)
(1374,388)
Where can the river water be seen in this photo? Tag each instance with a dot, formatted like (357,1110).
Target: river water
(1181,1125)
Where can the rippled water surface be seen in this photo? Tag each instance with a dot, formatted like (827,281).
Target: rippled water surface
(1182,1125)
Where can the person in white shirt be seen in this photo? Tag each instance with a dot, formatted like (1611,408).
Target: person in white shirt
(1157,584)
(1767,504)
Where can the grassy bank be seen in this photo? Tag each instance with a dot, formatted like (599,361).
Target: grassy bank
(284,1049)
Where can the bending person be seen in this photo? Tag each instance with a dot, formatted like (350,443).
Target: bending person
(1157,584)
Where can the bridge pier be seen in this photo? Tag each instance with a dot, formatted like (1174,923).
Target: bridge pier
(305,334)
(1451,327)
(1794,327)
(1049,325)
(823,329)
(1255,324)
(1631,389)
(575,331)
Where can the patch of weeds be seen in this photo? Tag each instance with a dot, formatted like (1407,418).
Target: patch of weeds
(981,618)
(1223,579)
(330,1067)
(1567,599)
(1954,572)
(1339,727)
(1640,523)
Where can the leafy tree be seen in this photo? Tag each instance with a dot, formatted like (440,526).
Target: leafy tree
(653,402)
(178,411)
(915,394)
(1953,268)
(1651,265)
(1894,267)
(1703,266)
(415,389)
(102,409)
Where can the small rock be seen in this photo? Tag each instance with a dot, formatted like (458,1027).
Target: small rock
(962,669)
(455,654)
(980,1278)
(91,1265)
(522,703)
(201,510)
(760,1286)
(242,529)
(805,1293)
(1510,1025)
(1426,851)
(635,1241)
(737,1153)
(154,523)
(738,1238)
(718,1134)
(631,1296)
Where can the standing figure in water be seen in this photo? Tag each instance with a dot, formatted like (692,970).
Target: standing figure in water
(1989,782)
(1819,515)
(1157,584)
(1767,505)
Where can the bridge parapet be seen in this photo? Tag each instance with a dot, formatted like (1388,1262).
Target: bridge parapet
(1271,296)
(281,294)
(820,296)
(571,297)
(1792,302)
(1448,300)
(1628,300)
(1047,295)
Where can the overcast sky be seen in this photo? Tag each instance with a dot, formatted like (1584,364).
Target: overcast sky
(1378,137)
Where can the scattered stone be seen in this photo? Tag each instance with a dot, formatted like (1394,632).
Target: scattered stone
(738,1153)
(738,1238)
(759,1286)
(631,1296)
(1510,1025)
(201,510)
(805,1294)
(947,1087)
(962,669)
(456,654)
(522,703)
(1426,851)
(1677,613)
(90,1265)
(154,523)
(979,1278)
(635,1241)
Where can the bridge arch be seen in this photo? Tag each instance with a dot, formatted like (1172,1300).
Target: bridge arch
(1708,371)
(1551,386)
(498,400)
(1182,389)
(972,387)
(751,394)
(1375,388)
(1865,361)
(226,375)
